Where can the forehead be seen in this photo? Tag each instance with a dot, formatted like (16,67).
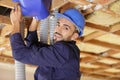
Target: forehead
(66,21)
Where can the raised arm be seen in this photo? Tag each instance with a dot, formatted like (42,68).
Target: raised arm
(16,18)
(32,38)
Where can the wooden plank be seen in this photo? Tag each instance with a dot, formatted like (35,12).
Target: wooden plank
(88,59)
(6,59)
(102,30)
(102,73)
(114,78)
(56,4)
(79,2)
(95,75)
(104,44)
(100,76)
(104,2)
(88,70)
(117,32)
(7,3)
(93,35)
(111,52)
(97,56)
(117,75)
(116,65)
(103,66)
(98,27)
(115,27)
(5,19)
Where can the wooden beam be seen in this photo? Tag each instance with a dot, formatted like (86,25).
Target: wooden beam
(95,60)
(100,76)
(115,27)
(111,52)
(104,44)
(66,6)
(7,3)
(6,59)
(117,32)
(97,56)
(93,35)
(102,30)
(114,78)
(93,71)
(117,75)
(103,66)
(56,4)
(104,2)
(116,65)
(98,27)
(5,19)
(88,70)
(95,75)
(79,2)
(88,59)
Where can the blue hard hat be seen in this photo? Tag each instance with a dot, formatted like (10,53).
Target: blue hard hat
(75,17)
(35,8)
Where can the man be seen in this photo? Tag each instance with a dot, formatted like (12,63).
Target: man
(59,61)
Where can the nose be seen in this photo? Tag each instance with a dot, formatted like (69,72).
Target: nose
(58,29)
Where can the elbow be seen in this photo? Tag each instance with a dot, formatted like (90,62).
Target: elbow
(17,56)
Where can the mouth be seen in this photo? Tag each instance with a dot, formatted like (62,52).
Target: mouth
(57,35)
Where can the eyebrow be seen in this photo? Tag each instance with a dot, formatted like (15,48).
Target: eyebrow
(67,26)
(64,24)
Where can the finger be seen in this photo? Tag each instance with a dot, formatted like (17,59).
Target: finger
(18,7)
(15,6)
(12,11)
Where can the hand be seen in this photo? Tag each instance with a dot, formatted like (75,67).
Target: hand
(16,18)
(34,24)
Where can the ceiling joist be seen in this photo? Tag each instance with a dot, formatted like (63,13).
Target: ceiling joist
(104,44)
(96,57)
(56,4)
(7,3)
(92,35)
(4,19)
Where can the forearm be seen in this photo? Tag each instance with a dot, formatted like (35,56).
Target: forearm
(16,18)
(31,38)
(16,28)
(19,50)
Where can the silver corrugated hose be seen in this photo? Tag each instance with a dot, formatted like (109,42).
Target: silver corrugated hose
(52,24)
(20,67)
(47,28)
(44,27)
(19,71)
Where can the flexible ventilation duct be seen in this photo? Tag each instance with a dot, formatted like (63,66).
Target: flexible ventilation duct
(52,24)
(44,27)
(20,67)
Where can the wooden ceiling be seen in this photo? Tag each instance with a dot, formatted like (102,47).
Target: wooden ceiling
(99,45)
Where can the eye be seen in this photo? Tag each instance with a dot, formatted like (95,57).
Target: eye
(66,28)
(57,24)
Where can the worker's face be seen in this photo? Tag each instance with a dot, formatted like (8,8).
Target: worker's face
(65,30)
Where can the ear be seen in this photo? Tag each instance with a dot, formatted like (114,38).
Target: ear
(74,36)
